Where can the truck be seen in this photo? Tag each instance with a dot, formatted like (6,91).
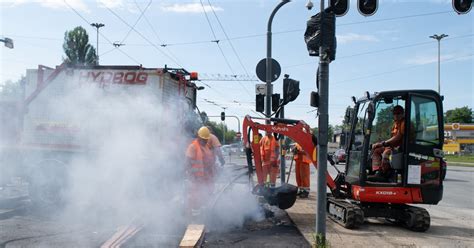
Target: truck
(67,107)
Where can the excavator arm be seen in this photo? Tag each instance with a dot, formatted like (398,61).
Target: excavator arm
(297,130)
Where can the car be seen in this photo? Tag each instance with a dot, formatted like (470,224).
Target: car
(339,156)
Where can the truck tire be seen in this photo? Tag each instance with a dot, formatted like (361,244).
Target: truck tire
(47,183)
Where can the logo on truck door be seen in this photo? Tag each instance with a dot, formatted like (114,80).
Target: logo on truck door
(113,77)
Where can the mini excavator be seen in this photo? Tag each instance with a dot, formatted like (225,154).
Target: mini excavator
(356,193)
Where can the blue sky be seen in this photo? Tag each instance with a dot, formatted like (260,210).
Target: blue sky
(387,51)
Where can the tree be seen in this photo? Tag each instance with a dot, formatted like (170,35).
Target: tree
(10,90)
(459,115)
(77,48)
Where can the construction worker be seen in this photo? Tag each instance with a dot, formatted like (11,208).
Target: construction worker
(381,151)
(215,146)
(302,170)
(270,152)
(199,171)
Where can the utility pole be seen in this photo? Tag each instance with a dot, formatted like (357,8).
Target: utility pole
(438,38)
(322,138)
(268,102)
(97,26)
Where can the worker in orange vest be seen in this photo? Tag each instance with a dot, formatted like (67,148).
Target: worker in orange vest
(200,171)
(270,152)
(302,170)
(215,146)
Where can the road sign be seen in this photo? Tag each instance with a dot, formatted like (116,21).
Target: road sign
(262,70)
(238,135)
(261,89)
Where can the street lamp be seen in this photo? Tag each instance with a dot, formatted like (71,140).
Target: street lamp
(8,42)
(97,26)
(438,38)
(268,102)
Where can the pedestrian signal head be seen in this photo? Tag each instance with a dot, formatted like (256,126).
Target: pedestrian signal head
(204,133)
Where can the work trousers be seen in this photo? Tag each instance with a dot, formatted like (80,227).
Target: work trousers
(302,172)
(380,159)
(270,169)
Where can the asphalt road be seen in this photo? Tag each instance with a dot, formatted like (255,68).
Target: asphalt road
(452,220)
(24,228)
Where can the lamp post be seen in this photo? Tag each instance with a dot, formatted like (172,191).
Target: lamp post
(8,42)
(97,26)
(268,99)
(438,38)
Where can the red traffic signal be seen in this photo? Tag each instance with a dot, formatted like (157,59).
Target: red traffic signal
(462,6)
(367,7)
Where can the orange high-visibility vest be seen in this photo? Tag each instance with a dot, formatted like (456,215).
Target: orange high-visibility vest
(268,148)
(301,155)
(200,161)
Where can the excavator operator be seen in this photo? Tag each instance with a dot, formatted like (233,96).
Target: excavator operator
(381,151)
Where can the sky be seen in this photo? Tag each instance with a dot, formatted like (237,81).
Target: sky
(387,51)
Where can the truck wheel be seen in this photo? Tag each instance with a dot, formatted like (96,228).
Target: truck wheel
(47,184)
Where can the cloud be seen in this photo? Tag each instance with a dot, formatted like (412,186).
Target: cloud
(110,3)
(350,37)
(189,8)
(52,4)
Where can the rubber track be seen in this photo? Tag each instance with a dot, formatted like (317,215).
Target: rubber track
(419,219)
(354,215)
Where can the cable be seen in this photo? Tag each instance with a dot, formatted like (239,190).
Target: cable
(143,37)
(156,34)
(136,22)
(382,50)
(103,36)
(227,37)
(220,49)
(396,70)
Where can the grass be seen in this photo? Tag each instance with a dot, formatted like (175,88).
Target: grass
(317,240)
(462,159)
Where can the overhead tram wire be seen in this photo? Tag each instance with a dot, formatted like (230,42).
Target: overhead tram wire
(229,40)
(103,36)
(156,34)
(220,49)
(136,22)
(396,70)
(382,50)
(143,37)
(299,30)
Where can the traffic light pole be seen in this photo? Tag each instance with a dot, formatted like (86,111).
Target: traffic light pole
(268,97)
(322,139)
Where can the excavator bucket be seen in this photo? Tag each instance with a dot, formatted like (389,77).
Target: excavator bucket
(283,197)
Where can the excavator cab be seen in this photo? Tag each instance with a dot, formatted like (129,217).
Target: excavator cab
(415,163)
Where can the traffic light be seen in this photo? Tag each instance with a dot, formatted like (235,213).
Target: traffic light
(275,102)
(260,103)
(462,6)
(367,7)
(222,116)
(291,89)
(339,7)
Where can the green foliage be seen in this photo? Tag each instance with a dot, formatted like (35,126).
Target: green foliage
(383,124)
(330,132)
(77,48)
(459,115)
(319,241)
(10,90)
